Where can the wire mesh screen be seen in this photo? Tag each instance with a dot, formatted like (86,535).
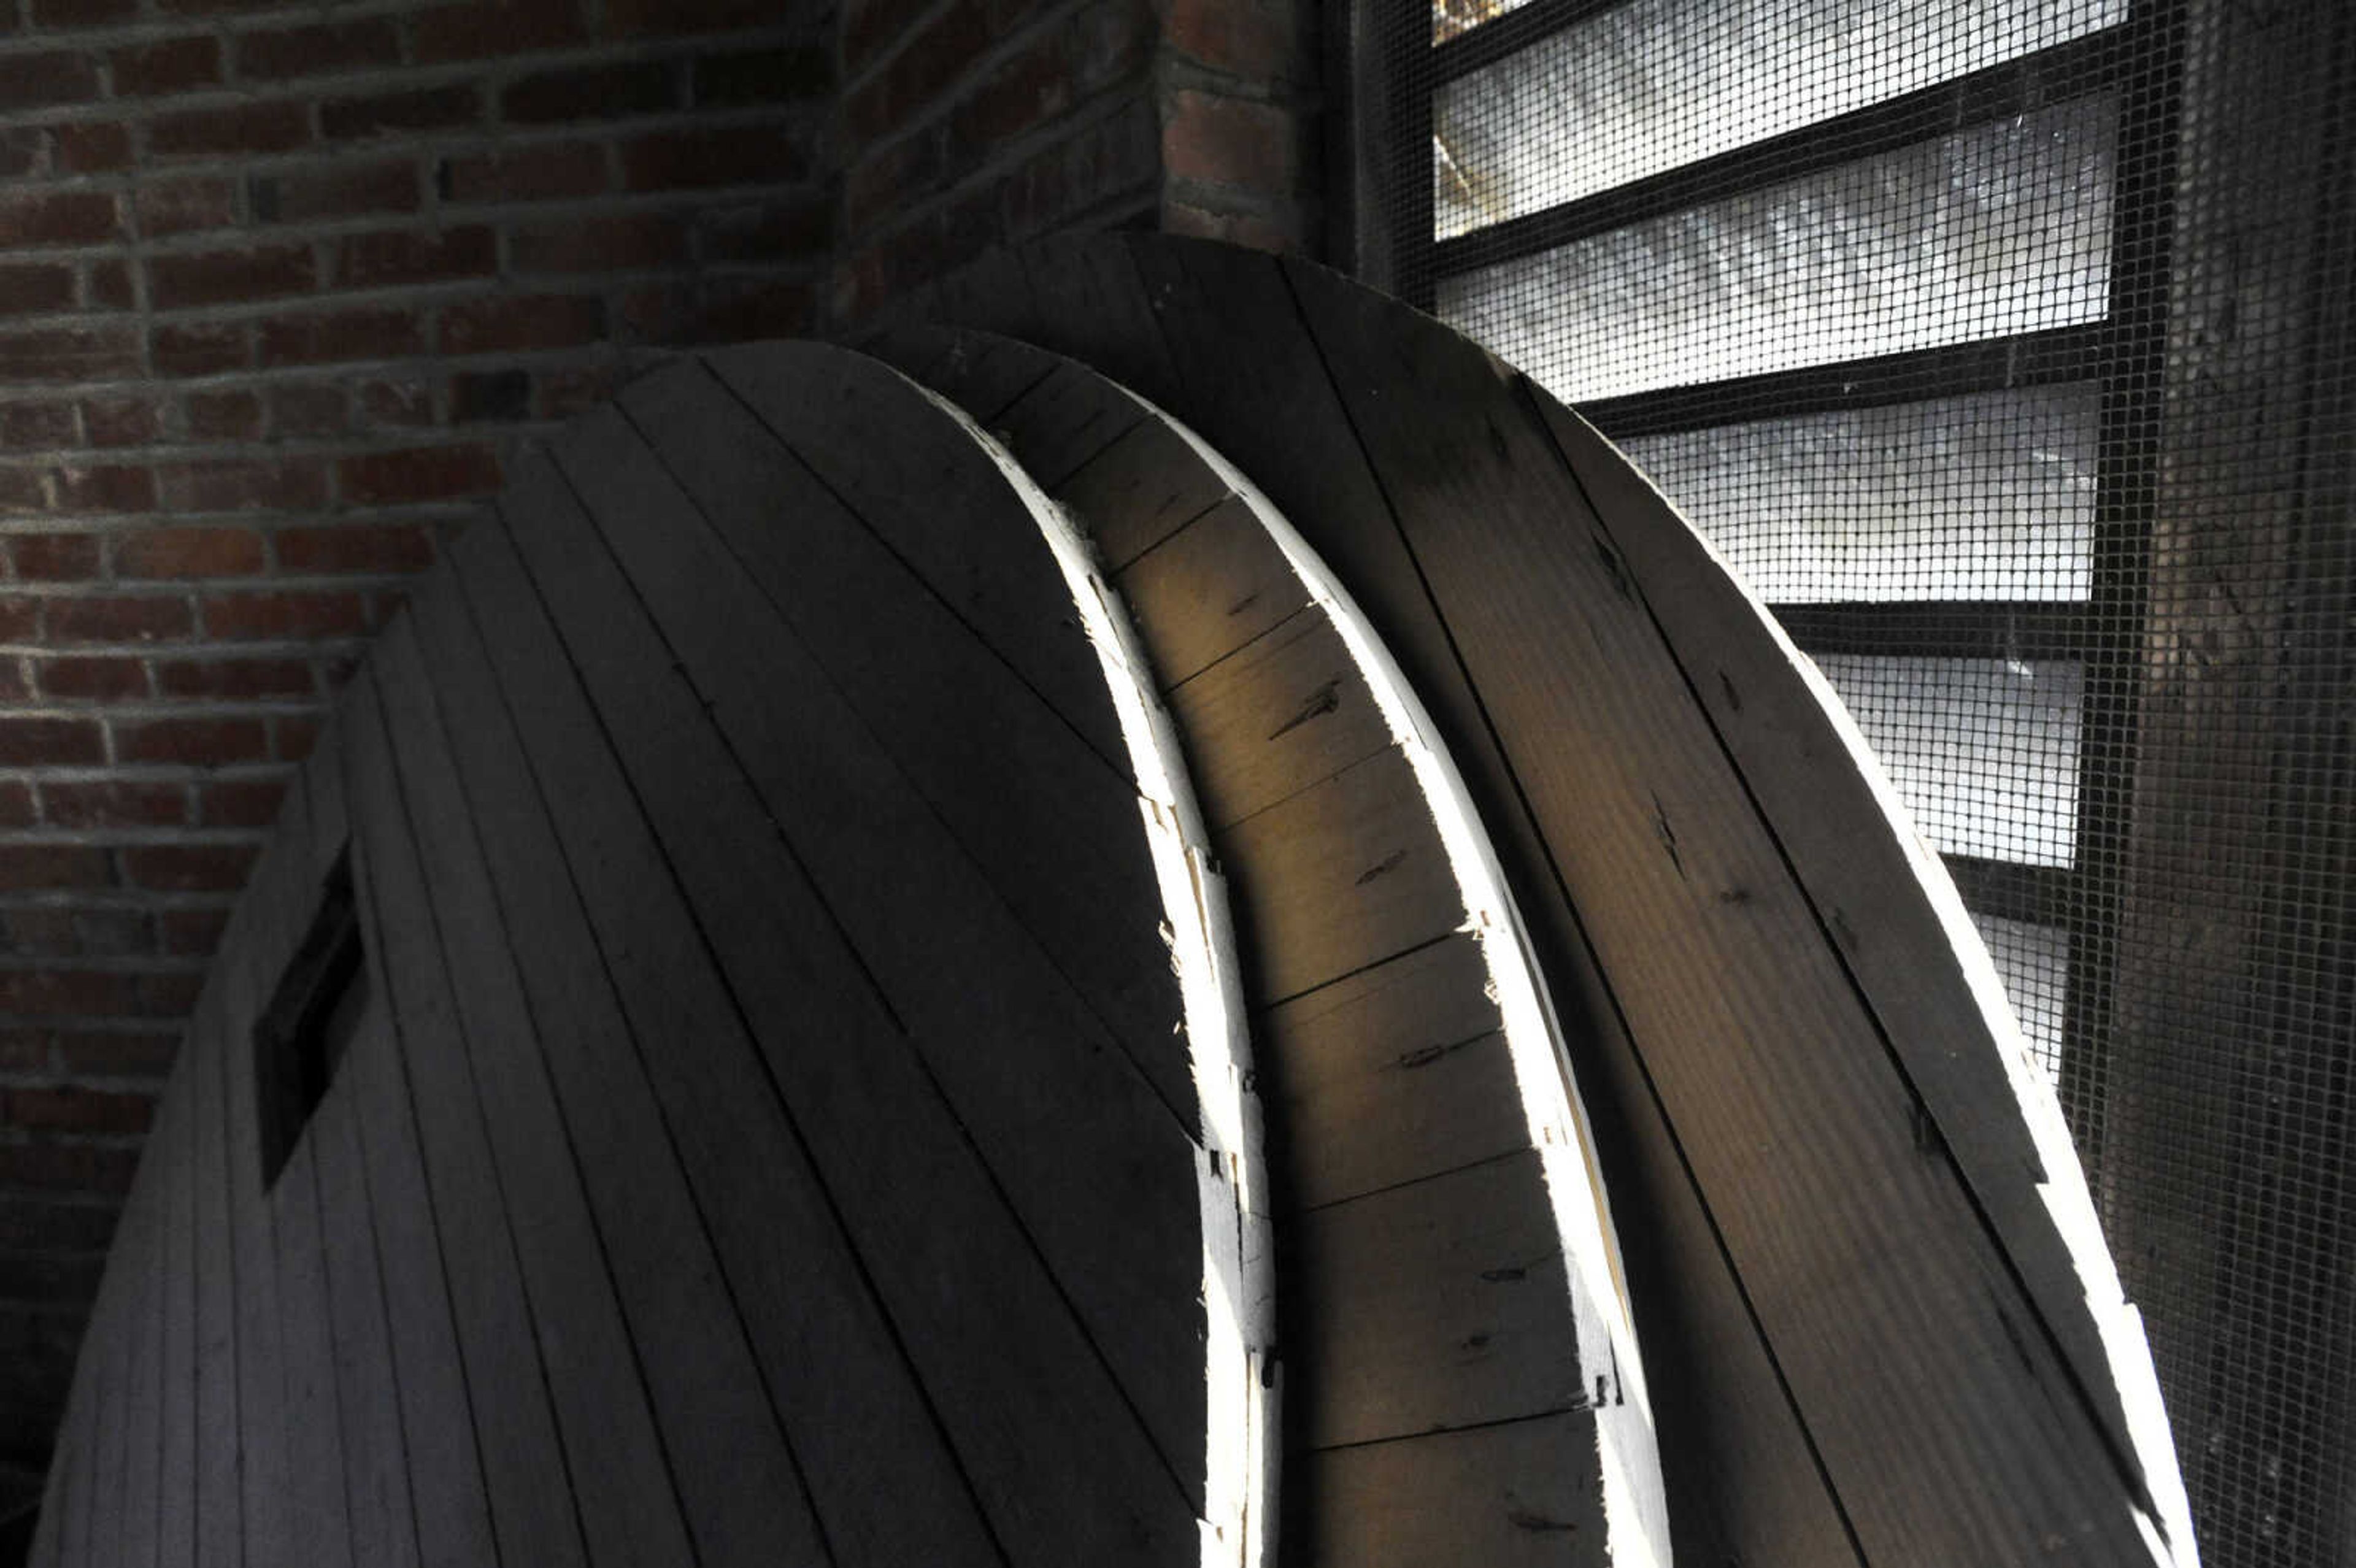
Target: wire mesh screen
(2008,348)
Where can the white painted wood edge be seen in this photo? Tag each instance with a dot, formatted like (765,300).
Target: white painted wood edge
(1240,1443)
(2067,1198)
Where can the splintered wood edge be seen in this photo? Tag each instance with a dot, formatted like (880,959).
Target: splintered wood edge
(1238,1263)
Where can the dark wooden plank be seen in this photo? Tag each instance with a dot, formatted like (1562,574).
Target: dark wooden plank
(1064,422)
(219,1533)
(383,1522)
(630,1502)
(1208,589)
(969,735)
(1708,943)
(1743,1479)
(1079,281)
(981,372)
(1009,591)
(1412,1047)
(1037,1420)
(1277,716)
(320,1525)
(737,1479)
(1519,1496)
(1336,878)
(1141,490)
(533,1506)
(569,817)
(1440,1304)
(175,1514)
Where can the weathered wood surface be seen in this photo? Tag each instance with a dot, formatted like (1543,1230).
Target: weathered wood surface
(1864,1192)
(770,1136)
(1421,1272)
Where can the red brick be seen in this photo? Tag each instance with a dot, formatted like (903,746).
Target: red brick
(130,421)
(269,615)
(743,310)
(511,323)
(108,487)
(32,426)
(685,160)
(339,190)
(170,996)
(356,547)
(37,81)
(29,739)
(57,218)
(1231,141)
(526,174)
(205,743)
(118,619)
(406,402)
(237,130)
(379,261)
(114,932)
(638,18)
(424,108)
(419,473)
(233,415)
(937,53)
(201,348)
(1260,40)
(21,490)
(69,1109)
(575,389)
(14,688)
(320,48)
(243,802)
(93,678)
(113,803)
(756,78)
(189,868)
(190,552)
(482,397)
(83,12)
(195,932)
(172,65)
(250,679)
(53,558)
(33,1225)
(872,26)
(600,244)
(90,148)
(20,618)
(309,409)
(36,867)
(108,286)
(67,1166)
(246,485)
(39,932)
(17,805)
(224,277)
(36,290)
(109,1054)
(323,338)
(474,30)
(296,739)
(770,230)
(24,150)
(591,92)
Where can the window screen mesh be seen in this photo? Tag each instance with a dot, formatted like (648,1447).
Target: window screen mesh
(2008,348)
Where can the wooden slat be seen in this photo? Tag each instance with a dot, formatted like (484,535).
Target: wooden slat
(1009,593)
(1209,589)
(1278,715)
(531,1500)
(1411,1047)
(1743,1479)
(176,1515)
(1141,490)
(963,730)
(737,1482)
(1515,1495)
(219,1534)
(383,1522)
(1711,950)
(320,1526)
(621,1475)
(823,1343)
(1035,1418)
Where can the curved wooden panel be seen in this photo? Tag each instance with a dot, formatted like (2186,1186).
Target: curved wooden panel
(780,1107)
(1463,1379)
(1883,1324)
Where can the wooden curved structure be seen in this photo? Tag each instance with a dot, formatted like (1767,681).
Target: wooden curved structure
(739,1053)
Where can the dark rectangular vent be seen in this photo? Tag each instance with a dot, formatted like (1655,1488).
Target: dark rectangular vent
(299,1039)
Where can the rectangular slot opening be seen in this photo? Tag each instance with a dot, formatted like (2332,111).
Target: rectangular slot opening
(301,1037)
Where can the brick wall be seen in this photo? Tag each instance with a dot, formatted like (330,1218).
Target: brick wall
(281,288)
